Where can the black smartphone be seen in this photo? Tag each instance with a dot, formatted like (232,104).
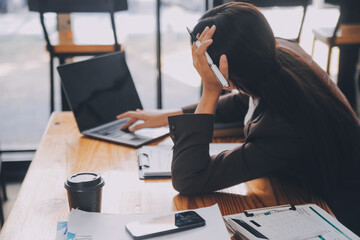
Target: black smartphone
(164,225)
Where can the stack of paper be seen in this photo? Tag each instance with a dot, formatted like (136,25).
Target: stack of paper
(99,226)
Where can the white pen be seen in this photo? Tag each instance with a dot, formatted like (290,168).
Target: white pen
(223,82)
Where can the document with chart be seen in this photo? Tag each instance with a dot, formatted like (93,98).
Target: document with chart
(289,222)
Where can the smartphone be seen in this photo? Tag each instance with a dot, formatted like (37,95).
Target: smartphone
(164,225)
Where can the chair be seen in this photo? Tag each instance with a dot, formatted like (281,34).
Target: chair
(276,3)
(341,34)
(66,48)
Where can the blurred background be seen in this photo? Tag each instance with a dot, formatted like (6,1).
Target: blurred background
(24,63)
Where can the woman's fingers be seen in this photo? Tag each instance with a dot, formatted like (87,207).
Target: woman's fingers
(224,66)
(199,53)
(204,45)
(128,123)
(134,117)
(205,38)
(193,49)
(125,114)
(137,127)
(131,114)
(209,34)
(224,69)
(206,34)
(201,64)
(202,35)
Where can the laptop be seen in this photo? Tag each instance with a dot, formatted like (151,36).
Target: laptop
(99,89)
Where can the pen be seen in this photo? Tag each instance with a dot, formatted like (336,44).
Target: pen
(249,228)
(223,82)
(269,210)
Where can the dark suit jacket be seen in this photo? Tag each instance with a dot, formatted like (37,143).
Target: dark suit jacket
(271,146)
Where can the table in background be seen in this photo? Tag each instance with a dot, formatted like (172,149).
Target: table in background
(42,200)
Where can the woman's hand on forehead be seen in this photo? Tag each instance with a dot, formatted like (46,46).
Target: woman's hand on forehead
(201,65)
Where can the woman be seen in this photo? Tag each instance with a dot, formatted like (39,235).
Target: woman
(300,123)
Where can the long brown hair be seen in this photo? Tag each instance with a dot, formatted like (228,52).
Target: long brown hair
(289,86)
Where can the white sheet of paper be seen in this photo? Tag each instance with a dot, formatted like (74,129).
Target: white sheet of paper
(216,148)
(159,157)
(112,226)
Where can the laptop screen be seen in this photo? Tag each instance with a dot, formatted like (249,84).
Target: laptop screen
(98,89)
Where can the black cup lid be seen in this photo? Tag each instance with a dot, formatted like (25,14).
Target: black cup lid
(84,181)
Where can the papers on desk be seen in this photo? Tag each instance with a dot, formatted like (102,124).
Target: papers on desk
(155,161)
(288,223)
(61,231)
(100,226)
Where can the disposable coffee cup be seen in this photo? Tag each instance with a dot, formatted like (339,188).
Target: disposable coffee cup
(84,191)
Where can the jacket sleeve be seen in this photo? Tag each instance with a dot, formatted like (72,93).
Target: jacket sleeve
(231,107)
(268,149)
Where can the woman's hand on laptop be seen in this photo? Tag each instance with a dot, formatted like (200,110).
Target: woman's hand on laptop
(150,119)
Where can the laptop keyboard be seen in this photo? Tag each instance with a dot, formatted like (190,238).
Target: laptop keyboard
(111,130)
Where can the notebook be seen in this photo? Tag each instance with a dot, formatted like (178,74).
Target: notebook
(100,88)
(155,161)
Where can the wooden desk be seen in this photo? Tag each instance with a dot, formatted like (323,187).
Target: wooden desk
(42,200)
